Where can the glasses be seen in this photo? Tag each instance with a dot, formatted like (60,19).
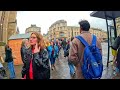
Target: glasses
(33,37)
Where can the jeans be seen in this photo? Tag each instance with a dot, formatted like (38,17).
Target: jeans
(72,69)
(52,60)
(11,70)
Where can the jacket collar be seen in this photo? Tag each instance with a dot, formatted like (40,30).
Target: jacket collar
(85,32)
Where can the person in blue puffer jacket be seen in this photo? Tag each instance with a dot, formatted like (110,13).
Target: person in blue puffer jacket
(52,50)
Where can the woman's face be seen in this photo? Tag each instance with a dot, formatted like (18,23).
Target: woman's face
(33,39)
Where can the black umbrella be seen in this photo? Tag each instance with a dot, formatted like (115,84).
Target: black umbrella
(108,15)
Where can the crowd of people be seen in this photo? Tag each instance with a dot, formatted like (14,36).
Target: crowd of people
(39,55)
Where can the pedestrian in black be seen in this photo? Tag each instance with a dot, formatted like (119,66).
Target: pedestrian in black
(9,60)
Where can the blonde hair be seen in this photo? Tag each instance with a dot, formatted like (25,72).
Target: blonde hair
(40,40)
(23,42)
(47,42)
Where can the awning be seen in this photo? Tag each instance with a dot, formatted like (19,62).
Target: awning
(109,14)
(19,36)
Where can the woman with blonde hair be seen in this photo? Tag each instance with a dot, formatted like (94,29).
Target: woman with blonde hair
(47,42)
(24,46)
(37,62)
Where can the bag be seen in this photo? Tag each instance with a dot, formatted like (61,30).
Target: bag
(92,67)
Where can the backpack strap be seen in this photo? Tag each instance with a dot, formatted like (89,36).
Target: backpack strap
(82,40)
(94,40)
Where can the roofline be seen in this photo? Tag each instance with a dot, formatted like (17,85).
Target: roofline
(18,38)
(57,22)
(74,26)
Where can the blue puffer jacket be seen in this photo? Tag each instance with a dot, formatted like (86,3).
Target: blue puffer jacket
(50,48)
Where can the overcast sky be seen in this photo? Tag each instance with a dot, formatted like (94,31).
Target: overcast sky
(45,19)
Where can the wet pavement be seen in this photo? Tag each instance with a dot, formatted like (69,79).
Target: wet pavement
(62,69)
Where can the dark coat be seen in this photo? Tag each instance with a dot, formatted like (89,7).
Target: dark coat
(116,46)
(8,54)
(23,52)
(40,64)
(64,43)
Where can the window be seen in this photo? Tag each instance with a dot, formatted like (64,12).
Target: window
(58,24)
(63,28)
(76,33)
(60,28)
(62,34)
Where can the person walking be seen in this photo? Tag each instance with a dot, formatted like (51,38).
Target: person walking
(9,59)
(36,57)
(71,65)
(24,46)
(77,48)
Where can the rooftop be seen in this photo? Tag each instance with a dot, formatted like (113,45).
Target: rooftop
(20,36)
(59,21)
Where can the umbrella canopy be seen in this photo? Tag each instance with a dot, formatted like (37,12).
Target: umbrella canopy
(19,36)
(110,14)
